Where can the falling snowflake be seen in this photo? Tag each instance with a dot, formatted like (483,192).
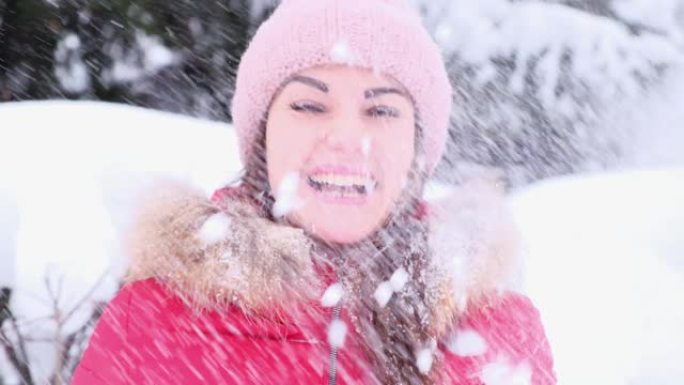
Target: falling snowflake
(333,295)
(424,360)
(337,332)
(383,293)
(467,343)
(286,199)
(341,53)
(399,279)
(366,143)
(502,373)
(72,42)
(214,229)
(369,186)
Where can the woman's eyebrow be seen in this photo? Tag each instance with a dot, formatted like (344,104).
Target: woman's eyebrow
(309,81)
(375,92)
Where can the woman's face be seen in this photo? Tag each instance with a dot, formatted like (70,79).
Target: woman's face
(339,147)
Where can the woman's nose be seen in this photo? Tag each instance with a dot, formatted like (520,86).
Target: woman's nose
(346,133)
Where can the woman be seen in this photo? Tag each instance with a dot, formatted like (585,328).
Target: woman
(324,265)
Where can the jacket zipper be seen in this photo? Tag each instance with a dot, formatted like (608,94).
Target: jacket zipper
(332,374)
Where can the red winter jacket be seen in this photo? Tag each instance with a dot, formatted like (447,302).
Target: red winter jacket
(149,335)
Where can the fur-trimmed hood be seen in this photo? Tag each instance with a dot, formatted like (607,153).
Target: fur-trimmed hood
(208,252)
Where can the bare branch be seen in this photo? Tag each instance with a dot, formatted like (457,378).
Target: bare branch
(25,372)
(78,338)
(16,353)
(64,360)
(5,294)
(88,295)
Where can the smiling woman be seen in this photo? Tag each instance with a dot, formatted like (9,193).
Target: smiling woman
(324,264)
(349,135)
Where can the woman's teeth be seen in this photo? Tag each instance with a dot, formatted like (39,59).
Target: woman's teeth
(343,184)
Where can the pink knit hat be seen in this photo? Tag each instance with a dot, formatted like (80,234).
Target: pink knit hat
(384,35)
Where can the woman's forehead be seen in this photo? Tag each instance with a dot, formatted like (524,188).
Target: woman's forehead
(336,76)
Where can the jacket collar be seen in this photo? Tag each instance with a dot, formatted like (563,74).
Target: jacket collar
(474,242)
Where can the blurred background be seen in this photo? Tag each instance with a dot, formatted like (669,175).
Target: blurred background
(538,82)
(577,105)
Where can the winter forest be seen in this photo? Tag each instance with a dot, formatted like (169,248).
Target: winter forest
(576,105)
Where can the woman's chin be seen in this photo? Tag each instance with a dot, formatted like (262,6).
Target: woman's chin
(339,231)
(339,236)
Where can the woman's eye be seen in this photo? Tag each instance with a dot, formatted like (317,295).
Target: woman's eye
(307,107)
(383,112)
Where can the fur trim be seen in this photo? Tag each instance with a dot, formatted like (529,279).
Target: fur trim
(476,248)
(254,264)
(257,263)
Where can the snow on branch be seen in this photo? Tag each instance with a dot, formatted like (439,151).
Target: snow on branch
(540,37)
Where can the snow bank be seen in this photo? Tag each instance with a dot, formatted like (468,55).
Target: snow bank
(606,268)
(70,173)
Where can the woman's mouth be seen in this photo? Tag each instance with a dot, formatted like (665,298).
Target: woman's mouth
(342,185)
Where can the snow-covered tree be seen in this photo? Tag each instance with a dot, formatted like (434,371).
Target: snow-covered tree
(535,81)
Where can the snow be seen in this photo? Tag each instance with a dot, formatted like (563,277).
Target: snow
(156,55)
(337,333)
(71,173)
(399,278)
(369,186)
(9,221)
(604,262)
(424,360)
(653,129)
(332,295)
(341,53)
(605,55)
(70,70)
(214,229)
(605,265)
(383,293)
(663,16)
(286,195)
(366,143)
(502,373)
(467,343)
(71,41)
(148,56)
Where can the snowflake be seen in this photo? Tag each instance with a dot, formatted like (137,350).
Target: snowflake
(214,229)
(467,343)
(333,295)
(337,332)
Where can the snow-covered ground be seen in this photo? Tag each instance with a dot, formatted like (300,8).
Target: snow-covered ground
(606,267)
(606,254)
(70,173)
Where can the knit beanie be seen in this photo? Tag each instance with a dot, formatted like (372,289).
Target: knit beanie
(386,36)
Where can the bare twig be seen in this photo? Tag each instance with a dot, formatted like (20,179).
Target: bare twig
(16,352)
(56,378)
(14,359)
(5,294)
(65,360)
(24,371)
(88,295)
(78,338)
(68,348)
